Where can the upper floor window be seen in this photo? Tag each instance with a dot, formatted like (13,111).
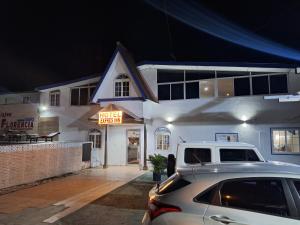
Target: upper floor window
(26,99)
(81,95)
(54,98)
(121,88)
(162,138)
(285,140)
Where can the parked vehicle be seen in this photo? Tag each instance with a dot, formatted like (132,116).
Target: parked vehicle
(202,153)
(257,193)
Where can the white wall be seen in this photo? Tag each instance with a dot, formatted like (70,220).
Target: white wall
(258,135)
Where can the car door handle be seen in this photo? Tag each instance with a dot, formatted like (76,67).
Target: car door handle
(222,219)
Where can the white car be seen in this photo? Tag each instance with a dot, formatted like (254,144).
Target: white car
(253,193)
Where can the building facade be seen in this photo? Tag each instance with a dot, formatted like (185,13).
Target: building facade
(131,111)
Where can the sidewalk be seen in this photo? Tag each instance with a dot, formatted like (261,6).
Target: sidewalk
(56,199)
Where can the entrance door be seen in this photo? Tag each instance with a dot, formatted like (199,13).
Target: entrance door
(133,146)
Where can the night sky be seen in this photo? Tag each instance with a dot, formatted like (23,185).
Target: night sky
(44,42)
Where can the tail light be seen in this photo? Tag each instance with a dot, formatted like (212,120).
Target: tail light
(157,208)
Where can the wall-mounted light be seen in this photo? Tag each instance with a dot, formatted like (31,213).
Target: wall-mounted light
(206,89)
(43,108)
(244,118)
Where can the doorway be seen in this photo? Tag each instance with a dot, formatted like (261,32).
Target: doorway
(133,146)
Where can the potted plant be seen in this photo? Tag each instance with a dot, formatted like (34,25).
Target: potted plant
(159,163)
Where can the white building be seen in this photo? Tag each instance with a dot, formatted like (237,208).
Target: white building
(164,103)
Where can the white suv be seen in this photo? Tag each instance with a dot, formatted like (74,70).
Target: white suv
(191,155)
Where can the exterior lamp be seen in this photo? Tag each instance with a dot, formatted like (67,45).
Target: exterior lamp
(43,108)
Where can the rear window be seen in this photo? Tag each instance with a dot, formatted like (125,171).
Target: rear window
(172,184)
(232,155)
(197,155)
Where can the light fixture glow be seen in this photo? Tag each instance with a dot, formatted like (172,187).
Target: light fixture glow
(43,108)
(206,89)
(244,118)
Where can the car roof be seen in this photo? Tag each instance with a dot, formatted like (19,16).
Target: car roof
(219,144)
(272,167)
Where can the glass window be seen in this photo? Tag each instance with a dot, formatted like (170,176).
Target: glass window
(255,195)
(297,185)
(162,137)
(192,90)
(260,85)
(177,91)
(164,92)
(241,86)
(121,86)
(54,98)
(84,96)
(26,99)
(232,73)
(199,75)
(75,96)
(207,196)
(278,84)
(95,137)
(173,184)
(207,88)
(231,155)
(225,87)
(197,155)
(166,76)
(286,140)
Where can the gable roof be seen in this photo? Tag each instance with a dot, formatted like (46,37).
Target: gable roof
(134,72)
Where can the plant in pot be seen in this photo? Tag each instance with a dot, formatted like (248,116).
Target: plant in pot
(159,163)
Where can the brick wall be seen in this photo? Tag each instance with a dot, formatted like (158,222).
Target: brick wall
(20,164)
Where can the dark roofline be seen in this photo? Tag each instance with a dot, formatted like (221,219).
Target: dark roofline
(17,92)
(229,64)
(67,82)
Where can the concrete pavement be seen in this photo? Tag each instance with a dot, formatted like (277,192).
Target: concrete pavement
(54,200)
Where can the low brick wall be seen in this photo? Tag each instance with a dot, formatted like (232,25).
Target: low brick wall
(21,164)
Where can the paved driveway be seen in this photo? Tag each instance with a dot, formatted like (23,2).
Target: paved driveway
(52,201)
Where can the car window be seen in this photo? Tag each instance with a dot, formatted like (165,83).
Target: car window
(259,195)
(172,184)
(197,155)
(207,196)
(231,155)
(297,185)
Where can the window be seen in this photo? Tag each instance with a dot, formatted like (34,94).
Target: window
(192,90)
(164,92)
(26,99)
(278,84)
(207,88)
(199,75)
(241,86)
(167,76)
(54,98)
(260,85)
(95,137)
(231,155)
(225,87)
(285,140)
(197,155)
(297,186)
(162,137)
(121,86)
(173,184)
(232,73)
(255,195)
(81,95)
(207,196)
(177,91)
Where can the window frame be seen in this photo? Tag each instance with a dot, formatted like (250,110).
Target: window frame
(26,99)
(89,87)
(122,80)
(56,95)
(290,200)
(162,131)
(273,152)
(94,133)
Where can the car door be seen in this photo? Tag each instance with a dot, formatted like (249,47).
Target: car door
(253,201)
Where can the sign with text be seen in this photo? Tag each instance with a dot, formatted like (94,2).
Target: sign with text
(112,117)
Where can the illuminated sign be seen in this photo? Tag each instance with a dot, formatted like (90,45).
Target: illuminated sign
(112,117)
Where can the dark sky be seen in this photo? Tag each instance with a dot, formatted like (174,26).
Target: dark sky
(43,42)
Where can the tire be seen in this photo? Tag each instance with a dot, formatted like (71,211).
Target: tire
(171,165)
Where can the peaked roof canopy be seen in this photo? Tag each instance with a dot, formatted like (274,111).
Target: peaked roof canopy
(138,79)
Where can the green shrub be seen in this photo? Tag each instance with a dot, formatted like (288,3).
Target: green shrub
(159,163)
